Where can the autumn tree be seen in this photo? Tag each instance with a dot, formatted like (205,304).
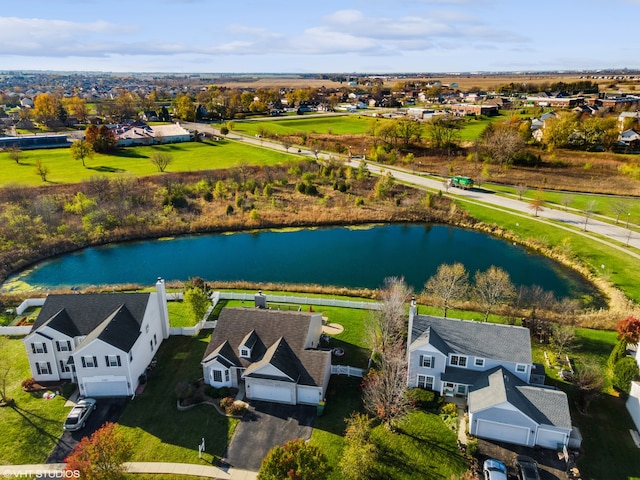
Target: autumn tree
(185,108)
(558,130)
(295,460)
(491,288)
(77,107)
(502,143)
(360,454)
(629,330)
(15,154)
(161,160)
(102,455)
(101,139)
(450,282)
(537,203)
(588,382)
(45,108)
(81,150)
(408,131)
(443,132)
(42,169)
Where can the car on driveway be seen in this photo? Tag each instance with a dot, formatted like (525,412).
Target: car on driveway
(494,470)
(78,415)
(527,468)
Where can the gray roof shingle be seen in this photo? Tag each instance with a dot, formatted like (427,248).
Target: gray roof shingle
(466,337)
(235,325)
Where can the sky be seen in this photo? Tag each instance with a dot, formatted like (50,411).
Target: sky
(327,36)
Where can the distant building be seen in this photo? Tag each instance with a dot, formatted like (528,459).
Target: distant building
(30,142)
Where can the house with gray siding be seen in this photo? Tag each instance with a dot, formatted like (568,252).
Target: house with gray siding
(490,366)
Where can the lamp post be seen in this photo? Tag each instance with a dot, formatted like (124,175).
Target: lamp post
(628,218)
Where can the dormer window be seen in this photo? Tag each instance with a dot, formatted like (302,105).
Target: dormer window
(520,368)
(245,352)
(479,362)
(458,360)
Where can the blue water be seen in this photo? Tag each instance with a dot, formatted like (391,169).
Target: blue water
(327,256)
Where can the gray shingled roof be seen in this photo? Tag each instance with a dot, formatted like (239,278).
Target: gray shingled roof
(485,340)
(115,318)
(235,324)
(543,405)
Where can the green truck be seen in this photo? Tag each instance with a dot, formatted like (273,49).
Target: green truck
(462,182)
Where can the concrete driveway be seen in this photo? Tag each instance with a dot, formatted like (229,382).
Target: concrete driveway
(107,410)
(266,425)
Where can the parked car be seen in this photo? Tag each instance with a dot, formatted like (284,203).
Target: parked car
(78,415)
(494,470)
(527,468)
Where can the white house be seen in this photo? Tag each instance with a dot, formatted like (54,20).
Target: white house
(273,353)
(103,342)
(129,135)
(490,365)
(633,402)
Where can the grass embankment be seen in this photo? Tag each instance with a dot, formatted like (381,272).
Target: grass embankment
(577,251)
(186,157)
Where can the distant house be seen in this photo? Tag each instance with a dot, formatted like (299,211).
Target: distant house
(103,342)
(149,116)
(464,109)
(273,354)
(490,366)
(131,134)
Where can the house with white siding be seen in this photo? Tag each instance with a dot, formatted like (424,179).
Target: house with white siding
(104,342)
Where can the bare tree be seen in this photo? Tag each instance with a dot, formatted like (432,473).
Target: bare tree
(619,207)
(521,190)
(503,144)
(566,200)
(161,160)
(386,327)
(42,170)
(384,389)
(15,154)
(492,287)
(589,210)
(5,368)
(588,382)
(450,282)
(99,186)
(563,338)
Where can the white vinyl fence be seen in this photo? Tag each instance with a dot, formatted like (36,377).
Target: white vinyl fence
(289,299)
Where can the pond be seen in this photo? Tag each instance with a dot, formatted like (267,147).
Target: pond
(341,256)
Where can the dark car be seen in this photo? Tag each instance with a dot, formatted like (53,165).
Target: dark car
(79,413)
(527,468)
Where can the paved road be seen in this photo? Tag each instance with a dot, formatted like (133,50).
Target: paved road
(266,425)
(573,221)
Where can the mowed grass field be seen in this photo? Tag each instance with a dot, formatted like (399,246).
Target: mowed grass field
(186,157)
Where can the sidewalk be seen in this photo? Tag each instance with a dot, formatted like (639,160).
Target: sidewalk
(138,467)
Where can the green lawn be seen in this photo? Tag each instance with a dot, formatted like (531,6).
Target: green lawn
(179,315)
(153,423)
(348,124)
(192,156)
(619,268)
(31,429)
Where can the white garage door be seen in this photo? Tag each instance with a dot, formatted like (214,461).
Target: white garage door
(503,432)
(105,387)
(550,438)
(272,393)
(310,395)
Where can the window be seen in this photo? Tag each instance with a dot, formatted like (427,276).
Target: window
(479,362)
(425,381)
(113,360)
(146,328)
(217,376)
(458,360)
(426,361)
(38,347)
(245,353)
(64,367)
(226,375)
(89,362)
(155,339)
(130,357)
(63,346)
(520,368)
(43,368)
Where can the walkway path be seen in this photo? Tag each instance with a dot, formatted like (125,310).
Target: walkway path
(136,467)
(615,236)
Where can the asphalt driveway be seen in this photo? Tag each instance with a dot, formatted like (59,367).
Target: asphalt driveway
(266,425)
(107,410)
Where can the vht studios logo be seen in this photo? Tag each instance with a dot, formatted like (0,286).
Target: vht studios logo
(41,474)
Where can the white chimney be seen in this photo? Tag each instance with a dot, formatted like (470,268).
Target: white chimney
(162,307)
